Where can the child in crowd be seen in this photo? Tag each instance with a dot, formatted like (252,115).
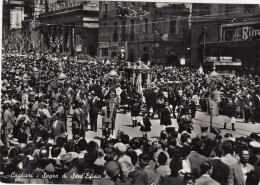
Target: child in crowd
(145,125)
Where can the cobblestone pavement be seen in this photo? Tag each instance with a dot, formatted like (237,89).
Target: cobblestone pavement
(124,123)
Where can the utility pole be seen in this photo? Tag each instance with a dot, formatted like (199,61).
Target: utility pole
(204,43)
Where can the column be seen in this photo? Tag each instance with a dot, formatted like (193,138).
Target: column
(133,77)
(148,81)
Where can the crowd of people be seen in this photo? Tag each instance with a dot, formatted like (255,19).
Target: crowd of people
(40,92)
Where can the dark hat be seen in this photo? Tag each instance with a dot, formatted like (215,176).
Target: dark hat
(112,169)
(203,129)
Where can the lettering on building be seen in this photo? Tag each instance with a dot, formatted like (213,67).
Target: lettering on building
(241,33)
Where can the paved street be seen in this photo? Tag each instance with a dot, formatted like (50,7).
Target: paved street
(124,123)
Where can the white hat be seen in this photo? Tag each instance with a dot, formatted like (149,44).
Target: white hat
(62,76)
(254,144)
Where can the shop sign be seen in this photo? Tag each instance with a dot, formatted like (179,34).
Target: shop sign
(114,46)
(229,63)
(182,61)
(103,45)
(122,53)
(219,59)
(211,59)
(225,58)
(60,5)
(241,33)
(78,48)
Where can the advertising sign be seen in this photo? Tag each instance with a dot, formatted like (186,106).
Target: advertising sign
(241,33)
(16,18)
(122,53)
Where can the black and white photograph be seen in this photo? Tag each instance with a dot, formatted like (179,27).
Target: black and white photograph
(130,92)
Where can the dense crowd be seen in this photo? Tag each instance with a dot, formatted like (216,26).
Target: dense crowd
(39,92)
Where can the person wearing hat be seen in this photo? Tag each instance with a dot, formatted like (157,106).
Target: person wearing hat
(165,119)
(75,175)
(135,107)
(248,108)
(112,171)
(123,160)
(150,99)
(107,114)
(231,109)
(94,104)
(8,122)
(205,134)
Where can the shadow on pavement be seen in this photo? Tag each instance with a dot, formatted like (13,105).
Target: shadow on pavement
(127,125)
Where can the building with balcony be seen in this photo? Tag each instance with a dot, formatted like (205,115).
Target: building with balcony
(13,16)
(228,34)
(21,25)
(70,27)
(152,31)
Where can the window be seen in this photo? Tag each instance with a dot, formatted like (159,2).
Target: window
(146,25)
(113,54)
(104,52)
(115,25)
(105,8)
(132,26)
(105,12)
(173,26)
(230,8)
(145,6)
(133,3)
(249,8)
(123,27)
(115,36)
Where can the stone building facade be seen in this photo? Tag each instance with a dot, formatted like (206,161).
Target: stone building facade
(151,31)
(229,34)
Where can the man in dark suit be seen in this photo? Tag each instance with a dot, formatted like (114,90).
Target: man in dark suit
(248,108)
(206,170)
(221,172)
(195,158)
(150,98)
(94,105)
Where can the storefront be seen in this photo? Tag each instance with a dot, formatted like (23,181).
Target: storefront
(115,50)
(240,42)
(71,28)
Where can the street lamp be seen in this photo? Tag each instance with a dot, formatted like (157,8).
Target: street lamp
(211,116)
(204,42)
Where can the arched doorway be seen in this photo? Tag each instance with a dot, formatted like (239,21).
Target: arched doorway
(92,49)
(172,58)
(145,54)
(132,55)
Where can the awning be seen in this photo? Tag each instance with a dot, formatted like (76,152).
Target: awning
(91,25)
(90,19)
(218,63)
(230,44)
